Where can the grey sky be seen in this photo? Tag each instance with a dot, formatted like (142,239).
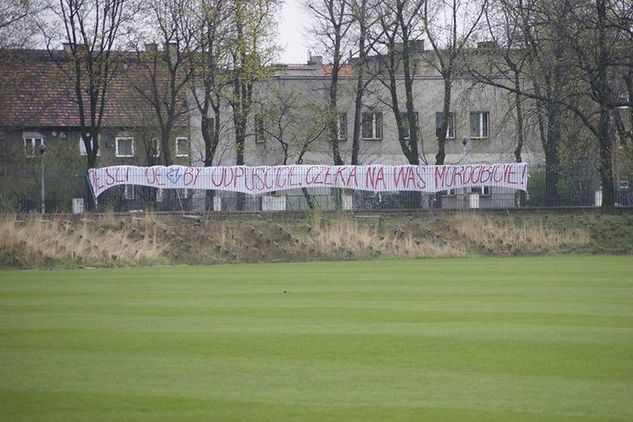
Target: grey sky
(293,32)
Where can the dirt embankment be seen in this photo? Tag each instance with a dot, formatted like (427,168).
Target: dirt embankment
(115,240)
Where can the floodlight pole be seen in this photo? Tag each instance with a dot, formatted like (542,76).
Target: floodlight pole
(42,150)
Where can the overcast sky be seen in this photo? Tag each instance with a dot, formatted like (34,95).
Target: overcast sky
(293,37)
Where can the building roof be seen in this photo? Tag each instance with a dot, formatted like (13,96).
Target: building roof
(37,92)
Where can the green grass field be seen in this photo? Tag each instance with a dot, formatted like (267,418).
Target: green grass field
(460,339)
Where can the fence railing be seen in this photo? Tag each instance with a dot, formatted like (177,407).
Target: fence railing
(66,191)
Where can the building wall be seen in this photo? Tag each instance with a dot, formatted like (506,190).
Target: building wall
(428,91)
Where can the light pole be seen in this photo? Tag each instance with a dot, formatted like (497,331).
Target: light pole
(42,150)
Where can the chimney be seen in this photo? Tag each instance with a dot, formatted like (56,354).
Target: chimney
(151,47)
(315,60)
(68,47)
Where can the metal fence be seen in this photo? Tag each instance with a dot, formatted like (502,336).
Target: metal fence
(66,191)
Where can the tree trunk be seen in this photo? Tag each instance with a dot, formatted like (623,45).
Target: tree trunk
(358,110)
(552,160)
(606,160)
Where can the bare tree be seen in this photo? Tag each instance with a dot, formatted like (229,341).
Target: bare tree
(251,49)
(16,21)
(449,27)
(295,125)
(208,74)
(332,21)
(91,29)
(400,36)
(364,19)
(575,56)
(166,73)
(546,72)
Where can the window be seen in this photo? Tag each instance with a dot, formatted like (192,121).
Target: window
(32,145)
(183,193)
(182,147)
(404,118)
(481,190)
(82,147)
(372,126)
(160,194)
(260,129)
(341,126)
(153,148)
(450,129)
(124,147)
(450,192)
(479,124)
(128,192)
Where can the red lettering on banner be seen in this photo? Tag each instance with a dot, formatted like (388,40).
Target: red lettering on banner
(215,171)
(457,171)
(398,176)
(226,179)
(509,176)
(440,178)
(421,183)
(153,177)
(310,180)
(339,175)
(327,178)
(237,175)
(291,177)
(350,176)
(260,179)
(109,178)
(95,180)
(495,174)
(259,183)
(279,178)
(190,176)
(375,175)
(486,174)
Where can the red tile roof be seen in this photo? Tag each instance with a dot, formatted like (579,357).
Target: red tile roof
(36,92)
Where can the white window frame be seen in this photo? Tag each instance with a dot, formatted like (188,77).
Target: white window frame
(82,148)
(481,190)
(451,125)
(154,152)
(128,192)
(178,152)
(484,116)
(30,145)
(404,116)
(341,127)
(451,192)
(375,126)
(260,128)
(116,146)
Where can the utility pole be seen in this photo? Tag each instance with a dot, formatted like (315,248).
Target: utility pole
(42,150)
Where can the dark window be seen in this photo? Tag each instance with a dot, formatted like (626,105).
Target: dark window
(479,124)
(450,129)
(372,126)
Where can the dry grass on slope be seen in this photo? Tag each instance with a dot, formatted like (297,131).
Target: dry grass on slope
(35,243)
(502,235)
(344,236)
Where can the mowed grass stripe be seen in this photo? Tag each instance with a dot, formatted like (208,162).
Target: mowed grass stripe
(469,339)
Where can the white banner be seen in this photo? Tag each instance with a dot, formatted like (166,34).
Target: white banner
(263,179)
